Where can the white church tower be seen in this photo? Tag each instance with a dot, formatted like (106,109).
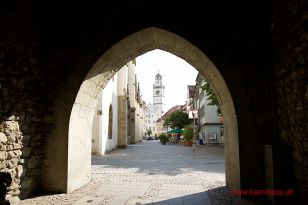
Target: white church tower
(158,95)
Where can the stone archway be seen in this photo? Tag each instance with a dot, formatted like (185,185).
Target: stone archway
(75,169)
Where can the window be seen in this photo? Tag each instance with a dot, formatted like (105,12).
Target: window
(110,123)
(212,135)
(222,133)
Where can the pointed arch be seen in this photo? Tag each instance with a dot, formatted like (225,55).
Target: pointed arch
(81,115)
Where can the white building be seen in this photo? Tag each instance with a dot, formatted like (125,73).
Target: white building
(120,115)
(155,111)
(210,123)
(150,119)
(104,129)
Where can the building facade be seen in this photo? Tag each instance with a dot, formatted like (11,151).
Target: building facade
(210,122)
(119,117)
(150,119)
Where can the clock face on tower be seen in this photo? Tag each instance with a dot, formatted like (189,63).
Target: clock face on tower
(157,92)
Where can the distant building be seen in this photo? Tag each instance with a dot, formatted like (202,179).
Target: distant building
(150,119)
(154,111)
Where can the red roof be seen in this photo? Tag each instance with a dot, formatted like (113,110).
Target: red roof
(170,111)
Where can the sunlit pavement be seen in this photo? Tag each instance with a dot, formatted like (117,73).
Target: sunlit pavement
(151,173)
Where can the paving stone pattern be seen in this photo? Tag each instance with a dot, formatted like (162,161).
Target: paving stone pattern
(152,174)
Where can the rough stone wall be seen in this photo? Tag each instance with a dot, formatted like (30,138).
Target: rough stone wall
(10,154)
(290,17)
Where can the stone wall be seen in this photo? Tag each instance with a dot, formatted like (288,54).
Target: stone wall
(10,154)
(291,77)
(25,115)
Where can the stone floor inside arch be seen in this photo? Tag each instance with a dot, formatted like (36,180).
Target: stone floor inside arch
(153,174)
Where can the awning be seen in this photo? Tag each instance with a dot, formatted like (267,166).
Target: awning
(175,131)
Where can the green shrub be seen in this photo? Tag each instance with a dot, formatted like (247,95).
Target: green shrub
(188,133)
(163,138)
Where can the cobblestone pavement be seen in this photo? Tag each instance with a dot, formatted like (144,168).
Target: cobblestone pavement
(151,173)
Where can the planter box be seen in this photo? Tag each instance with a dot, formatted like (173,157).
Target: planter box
(188,143)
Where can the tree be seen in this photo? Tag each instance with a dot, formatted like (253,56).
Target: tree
(211,96)
(149,132)
(177,120)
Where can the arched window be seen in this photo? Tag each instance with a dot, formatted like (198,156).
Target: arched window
(110,123)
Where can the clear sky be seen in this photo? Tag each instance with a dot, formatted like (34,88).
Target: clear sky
(176,72)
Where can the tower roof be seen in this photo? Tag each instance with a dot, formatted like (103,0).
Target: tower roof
(158,75)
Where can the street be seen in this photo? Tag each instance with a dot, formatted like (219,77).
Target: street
(151,173)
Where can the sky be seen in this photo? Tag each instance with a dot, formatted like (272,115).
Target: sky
(176,72)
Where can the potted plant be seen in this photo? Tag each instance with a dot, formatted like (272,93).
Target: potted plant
(163,138)
(188,136)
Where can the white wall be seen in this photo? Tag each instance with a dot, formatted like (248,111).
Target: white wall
(122,80)
(139,122)
(131,81)
(211,115)
(210,111)
(96,128)
(109,96)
